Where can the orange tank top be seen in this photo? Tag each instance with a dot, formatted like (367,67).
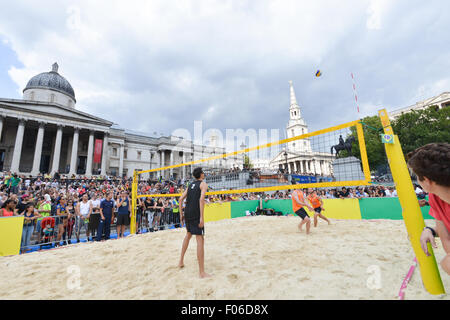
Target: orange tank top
(295,205)
(315,201)
(7,213)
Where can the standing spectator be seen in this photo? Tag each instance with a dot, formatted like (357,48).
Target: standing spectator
(159,208)
(149,204)
(106,215)
(44,208)
(3,198)
(8,209)
(62,218)
(30,216)
(14,183)
(94,220)
(394,192)
(71,220)
(23,203)
(123,214)
(83,213)
(380,192)
(28,181)
(387,191)
(344,193)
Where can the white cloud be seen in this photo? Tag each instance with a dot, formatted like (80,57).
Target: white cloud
(159,65)
(376,10)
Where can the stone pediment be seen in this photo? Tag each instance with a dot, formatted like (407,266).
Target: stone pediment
(281,157)
(24,107)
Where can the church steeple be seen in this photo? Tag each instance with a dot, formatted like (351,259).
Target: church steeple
(294,109)
(293,98)
(296,125)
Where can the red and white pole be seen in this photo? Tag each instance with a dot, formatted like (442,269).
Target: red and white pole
(354,91)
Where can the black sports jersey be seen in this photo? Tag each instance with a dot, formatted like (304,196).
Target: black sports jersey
(192,210)
(149,203)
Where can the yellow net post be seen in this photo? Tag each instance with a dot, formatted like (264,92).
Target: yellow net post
(411,212)
(133,204)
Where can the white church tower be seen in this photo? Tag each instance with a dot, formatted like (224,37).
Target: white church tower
(296,126)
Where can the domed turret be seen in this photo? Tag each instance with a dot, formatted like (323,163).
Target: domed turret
(50,87)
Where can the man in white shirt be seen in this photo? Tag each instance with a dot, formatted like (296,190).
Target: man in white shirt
(394,193)
(83,213)
(388,193)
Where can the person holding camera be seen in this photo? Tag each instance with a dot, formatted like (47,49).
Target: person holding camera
(431,165)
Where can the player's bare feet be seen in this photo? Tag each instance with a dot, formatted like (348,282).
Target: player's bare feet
(204,275)
(181,265)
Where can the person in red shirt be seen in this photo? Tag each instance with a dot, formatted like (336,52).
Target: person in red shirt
(431,165)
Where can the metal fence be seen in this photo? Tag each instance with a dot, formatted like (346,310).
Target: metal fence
(43,233)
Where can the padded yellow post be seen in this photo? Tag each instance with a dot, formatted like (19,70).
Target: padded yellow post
(10,235)
(133,204)
(411,212)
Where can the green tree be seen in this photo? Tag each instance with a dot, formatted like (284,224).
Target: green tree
(414,129)
(374,147)
(247,162)
(418,128)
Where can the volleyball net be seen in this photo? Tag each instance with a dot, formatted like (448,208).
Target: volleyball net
(331,157)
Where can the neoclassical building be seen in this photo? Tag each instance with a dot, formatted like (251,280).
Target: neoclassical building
(45,133)
(440,101)
(298,156)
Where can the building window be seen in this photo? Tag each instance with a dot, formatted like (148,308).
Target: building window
(293,132)
(139,155)
(114,152)
(85,146)
(52,98)
(125,154)
(32,95)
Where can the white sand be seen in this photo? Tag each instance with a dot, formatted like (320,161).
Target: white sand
(250,258)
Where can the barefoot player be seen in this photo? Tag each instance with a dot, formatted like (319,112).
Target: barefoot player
(317,204)
(193,215)
(298,202)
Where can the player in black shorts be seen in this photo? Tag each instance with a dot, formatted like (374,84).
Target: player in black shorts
(193,215)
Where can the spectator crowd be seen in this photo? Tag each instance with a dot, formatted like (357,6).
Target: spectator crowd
(58,210)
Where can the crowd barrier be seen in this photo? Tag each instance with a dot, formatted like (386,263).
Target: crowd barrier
(346,209)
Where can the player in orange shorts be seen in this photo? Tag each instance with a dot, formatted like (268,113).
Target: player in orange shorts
(317,205)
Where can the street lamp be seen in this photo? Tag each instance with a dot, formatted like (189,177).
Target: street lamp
(243,157)
(286,174)
(285,154)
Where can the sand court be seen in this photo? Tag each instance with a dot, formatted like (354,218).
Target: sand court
(250,258)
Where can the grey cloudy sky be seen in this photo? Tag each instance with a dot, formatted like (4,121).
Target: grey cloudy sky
(160,65)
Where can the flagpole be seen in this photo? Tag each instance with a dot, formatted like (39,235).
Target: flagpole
(355,93)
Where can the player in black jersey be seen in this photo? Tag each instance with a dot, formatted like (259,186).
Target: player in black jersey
(194,218)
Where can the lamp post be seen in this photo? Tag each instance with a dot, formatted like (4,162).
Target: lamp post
(286,174)
(243,157)
(285,154)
